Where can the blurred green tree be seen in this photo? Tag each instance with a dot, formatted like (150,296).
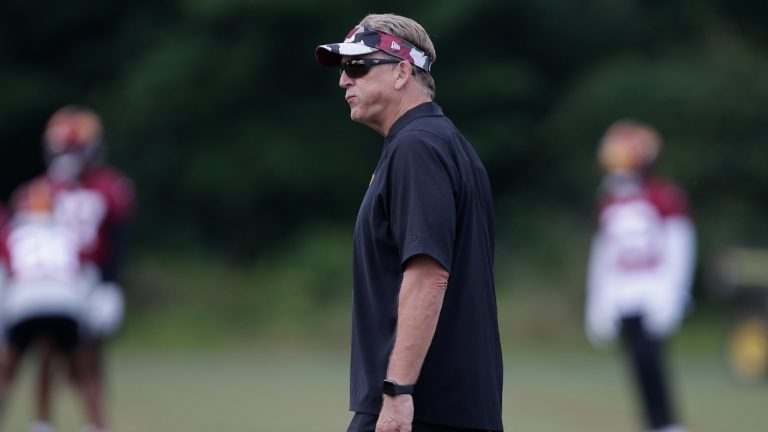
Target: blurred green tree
(238,140)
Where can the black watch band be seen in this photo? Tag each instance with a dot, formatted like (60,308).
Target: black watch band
(392,388)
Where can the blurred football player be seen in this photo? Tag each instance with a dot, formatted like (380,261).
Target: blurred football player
(96,202)
(44,285)
(641,263)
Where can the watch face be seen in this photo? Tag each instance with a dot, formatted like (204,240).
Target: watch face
(389,388)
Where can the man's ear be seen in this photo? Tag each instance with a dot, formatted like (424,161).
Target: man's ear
(403,73)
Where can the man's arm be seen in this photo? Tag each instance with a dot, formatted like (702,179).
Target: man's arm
(420,301)
(421,298)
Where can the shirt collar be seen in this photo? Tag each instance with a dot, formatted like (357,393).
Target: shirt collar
(427,109)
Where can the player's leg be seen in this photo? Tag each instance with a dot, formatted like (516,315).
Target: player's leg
(20,336)
(9,361)
(645,355)
(103,317)
(43,388)
(57,336)
(90,372)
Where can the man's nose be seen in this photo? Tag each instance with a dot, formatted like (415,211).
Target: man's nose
(344,80)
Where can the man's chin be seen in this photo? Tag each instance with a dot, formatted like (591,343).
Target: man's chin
(356,115)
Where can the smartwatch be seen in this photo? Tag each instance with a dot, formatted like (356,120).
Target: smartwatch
(392,388)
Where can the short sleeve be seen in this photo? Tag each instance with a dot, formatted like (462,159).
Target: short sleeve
(118,190)
(421,199)
(669,199)
(122,198)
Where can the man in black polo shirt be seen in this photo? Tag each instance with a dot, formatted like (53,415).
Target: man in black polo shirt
(426,354)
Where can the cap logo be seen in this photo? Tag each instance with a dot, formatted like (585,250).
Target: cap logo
(395,46)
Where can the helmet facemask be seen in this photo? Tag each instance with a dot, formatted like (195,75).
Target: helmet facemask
(73,142)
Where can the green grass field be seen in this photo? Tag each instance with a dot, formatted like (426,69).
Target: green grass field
(290,390)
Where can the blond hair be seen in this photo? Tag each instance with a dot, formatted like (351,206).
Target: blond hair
(412,32)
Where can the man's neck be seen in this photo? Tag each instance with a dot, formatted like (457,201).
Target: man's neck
(406,104)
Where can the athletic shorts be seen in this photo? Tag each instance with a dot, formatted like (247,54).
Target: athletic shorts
(62,331)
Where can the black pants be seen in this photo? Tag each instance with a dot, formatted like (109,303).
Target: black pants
(645,356)
(367,423)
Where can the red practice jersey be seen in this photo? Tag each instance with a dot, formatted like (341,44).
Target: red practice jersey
(93,207)
(632,216)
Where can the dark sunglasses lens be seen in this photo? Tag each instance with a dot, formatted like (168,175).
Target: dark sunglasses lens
(355,69)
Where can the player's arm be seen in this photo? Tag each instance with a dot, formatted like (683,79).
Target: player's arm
(112,263)
(669,300)
(600,313)
(121,196)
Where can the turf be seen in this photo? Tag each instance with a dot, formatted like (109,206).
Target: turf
(290,390)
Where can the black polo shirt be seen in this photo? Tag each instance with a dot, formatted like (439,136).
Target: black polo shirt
(429,195)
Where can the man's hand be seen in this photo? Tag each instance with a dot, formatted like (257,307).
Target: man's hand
(396,414)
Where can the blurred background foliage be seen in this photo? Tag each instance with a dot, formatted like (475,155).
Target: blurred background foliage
(249,171)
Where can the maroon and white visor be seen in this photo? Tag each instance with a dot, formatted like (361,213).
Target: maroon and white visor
(364,40)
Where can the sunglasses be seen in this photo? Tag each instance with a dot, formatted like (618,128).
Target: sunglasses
(357,68)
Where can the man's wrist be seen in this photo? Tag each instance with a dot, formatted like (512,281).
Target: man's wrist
(391,387)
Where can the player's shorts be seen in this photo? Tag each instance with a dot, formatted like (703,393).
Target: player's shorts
(62,331)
